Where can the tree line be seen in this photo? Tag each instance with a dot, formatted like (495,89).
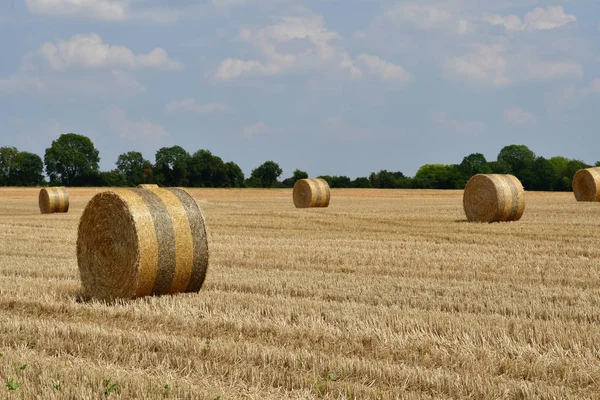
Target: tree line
(73,160)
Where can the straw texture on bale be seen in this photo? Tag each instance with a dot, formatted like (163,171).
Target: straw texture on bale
(53,200)
(586,184)
(311,193)
(494,198)
(147,186)
(139,242)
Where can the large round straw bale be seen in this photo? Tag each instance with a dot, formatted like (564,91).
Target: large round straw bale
(53,200)
(138,242)
(494,197)
(586,184)
(311,193)
(147,185)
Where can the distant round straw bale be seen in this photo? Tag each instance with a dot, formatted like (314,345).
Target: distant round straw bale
(586,184)
(139,242)
(147,186)
(494,197)
(311,193)
(53,200)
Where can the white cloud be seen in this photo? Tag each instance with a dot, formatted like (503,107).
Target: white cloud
(107,10)
(110,83)
(21,83)
(550,70)
(258,128)
(571,94)
(112,10)
(517,115)
(88,51)
(500,64)
(429,17)
(190,105)
(539,19)
(486,64)
(385,69)
(296,43)
(359,35)
(463,27)
(420,15)
(133,130)
(594,87)
(468,128)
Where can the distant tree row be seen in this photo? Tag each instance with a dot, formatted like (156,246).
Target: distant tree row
(73,160)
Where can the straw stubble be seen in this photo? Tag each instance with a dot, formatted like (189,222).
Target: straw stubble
(139,242)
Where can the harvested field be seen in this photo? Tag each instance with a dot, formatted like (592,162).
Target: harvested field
(384,294)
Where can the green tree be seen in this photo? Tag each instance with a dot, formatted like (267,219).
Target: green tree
(28,170)
(597,164)
(361,182)
(474,164)
(298,174)
(543,174)
(337,181)
(207,170)
(265,175)
(134,168)
(439,176)
(499,167)
(235,175)
(7,160)
(521,159)
(71,160)
(385,179)
(171,166)
(114,178)
(560,166)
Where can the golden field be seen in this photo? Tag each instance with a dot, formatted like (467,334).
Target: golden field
(384,294)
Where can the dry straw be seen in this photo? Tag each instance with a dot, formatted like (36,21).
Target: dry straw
(138,242)
(53,200)
(494,197)
(147,186)
(311,193)
(586,184)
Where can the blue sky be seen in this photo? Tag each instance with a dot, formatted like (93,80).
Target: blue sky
(330,87)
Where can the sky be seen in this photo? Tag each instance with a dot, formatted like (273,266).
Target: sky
(330,87)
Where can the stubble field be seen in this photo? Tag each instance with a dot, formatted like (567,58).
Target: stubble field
(384,294)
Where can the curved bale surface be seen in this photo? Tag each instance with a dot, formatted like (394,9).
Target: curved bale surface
(53,200)
(311,193)
(139,242)
(493,198)
(147,186)
(586,184)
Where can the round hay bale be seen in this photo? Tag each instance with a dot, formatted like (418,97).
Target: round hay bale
(53,200)
(311,193)
(586,184)
(494,197)
(139,242)
(147,186)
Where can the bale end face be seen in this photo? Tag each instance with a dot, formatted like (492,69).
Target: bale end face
(311,193)
(586,184)
(138,242)
(53,200)
(493,198)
